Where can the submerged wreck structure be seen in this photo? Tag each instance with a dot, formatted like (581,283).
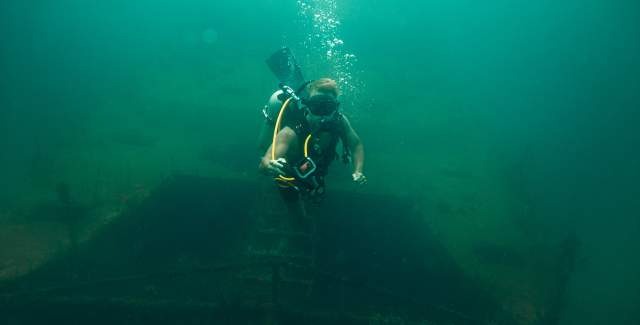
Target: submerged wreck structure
(210,251)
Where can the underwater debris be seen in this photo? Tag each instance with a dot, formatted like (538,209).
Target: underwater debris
(130,258)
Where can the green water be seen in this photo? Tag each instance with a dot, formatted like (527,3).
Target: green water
(513,122)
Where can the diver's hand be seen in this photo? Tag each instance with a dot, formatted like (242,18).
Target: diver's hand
(276,167)
(359,178)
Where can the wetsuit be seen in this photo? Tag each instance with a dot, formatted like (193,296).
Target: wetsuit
(321,148)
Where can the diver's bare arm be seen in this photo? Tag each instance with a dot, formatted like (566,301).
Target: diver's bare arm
(355,146)
(286,139)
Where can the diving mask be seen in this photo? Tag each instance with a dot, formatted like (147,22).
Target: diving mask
(322,105)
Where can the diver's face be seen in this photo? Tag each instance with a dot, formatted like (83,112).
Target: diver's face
(322,107)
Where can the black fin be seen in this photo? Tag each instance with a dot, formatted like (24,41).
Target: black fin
(284,66)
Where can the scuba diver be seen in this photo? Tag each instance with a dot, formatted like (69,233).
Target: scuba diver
(300,135)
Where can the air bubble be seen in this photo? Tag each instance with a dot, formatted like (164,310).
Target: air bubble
(322,19)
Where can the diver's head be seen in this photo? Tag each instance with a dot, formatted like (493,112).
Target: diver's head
(324,86)
(322,103)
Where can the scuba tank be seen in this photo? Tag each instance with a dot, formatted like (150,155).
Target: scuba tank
(284,66)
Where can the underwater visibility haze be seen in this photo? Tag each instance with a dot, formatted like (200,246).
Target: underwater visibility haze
(501,142)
